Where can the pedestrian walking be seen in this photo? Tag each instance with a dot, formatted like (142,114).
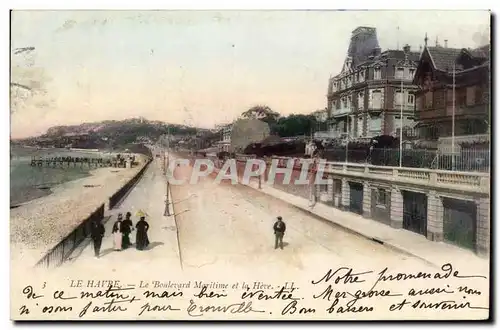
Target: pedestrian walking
(117,234)
(97,233)
(127,227)
(279,231)
(141,239)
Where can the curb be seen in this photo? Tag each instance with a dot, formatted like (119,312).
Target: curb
(171,209)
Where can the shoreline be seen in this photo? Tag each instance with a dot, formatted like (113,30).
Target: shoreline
(35,192)
(48,189)
(42,223)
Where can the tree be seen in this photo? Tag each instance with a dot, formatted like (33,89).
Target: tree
(294,125)
(261,112)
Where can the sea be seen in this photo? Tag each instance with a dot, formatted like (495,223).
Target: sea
(30,182)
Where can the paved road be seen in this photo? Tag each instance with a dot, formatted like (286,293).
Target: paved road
(230,226)
(148,195)
(221,225)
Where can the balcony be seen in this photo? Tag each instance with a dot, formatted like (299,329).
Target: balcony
(341,112)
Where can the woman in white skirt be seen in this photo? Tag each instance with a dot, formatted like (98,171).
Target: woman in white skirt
(117,235)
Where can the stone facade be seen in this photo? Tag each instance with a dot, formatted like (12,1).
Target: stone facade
(361,99)
(393,191)
(367,200)
(434,217)
(483,226)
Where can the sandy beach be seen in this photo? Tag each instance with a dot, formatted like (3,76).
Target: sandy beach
(40,224)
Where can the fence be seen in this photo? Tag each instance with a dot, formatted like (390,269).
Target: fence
(465,160)
(58,254)
(118,196)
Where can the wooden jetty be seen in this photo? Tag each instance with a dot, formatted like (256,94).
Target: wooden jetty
(89,162)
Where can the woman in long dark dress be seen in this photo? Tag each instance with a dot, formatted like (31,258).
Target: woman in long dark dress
(141,238)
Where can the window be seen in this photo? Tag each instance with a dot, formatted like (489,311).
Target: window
(349,81)
(361,101)
(462,96)
(399,73)
(349,101)
(398,97)
(381,198)
(376,99)
(362,76)
(344,102)
(479,95)
(411,99)
(375,124)
(428,100)
(377,74)
(411,74)
(397,124)
(471,96)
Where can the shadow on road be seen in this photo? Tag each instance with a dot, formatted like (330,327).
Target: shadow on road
(106,252)
(153,245)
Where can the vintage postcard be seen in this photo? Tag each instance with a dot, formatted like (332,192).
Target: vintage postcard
(250,165)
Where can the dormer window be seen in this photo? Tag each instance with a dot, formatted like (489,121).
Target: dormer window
(377,73)
(411,74)
(400,73)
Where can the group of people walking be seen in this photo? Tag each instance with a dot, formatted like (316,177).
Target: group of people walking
(121,233)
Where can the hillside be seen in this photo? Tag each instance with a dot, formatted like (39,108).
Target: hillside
(109,134)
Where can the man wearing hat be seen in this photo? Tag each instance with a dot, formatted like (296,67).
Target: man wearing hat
(279,231)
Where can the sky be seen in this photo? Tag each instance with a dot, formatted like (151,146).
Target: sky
(201,67)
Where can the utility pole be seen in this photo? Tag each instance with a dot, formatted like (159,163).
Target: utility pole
(165,165)
(401,125)
(453,123)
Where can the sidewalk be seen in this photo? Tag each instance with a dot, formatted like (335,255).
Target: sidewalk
(147,195)
(401,240)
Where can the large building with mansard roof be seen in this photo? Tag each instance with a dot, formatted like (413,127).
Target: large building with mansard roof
(365,98)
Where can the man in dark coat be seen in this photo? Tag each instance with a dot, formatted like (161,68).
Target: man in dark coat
(126,229)
(97,233)
(279,231)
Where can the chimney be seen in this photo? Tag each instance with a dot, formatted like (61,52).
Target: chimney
(445,43)
(406,48)
(420,48)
